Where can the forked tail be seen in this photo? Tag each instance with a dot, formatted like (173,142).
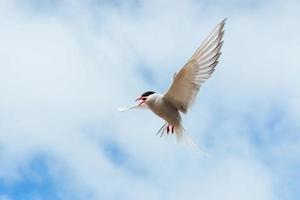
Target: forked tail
(181,136)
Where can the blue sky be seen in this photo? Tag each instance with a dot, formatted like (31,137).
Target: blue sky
(66,66)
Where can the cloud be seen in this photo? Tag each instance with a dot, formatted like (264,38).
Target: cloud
(67,65)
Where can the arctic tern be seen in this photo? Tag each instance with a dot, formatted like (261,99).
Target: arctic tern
(185,86)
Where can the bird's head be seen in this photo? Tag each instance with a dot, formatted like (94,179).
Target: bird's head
(144,97)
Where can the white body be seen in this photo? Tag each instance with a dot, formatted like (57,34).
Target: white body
(164,109)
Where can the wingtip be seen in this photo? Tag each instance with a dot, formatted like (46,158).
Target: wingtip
(224,20)
(222,23)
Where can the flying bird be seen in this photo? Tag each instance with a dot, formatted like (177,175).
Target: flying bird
(186,84)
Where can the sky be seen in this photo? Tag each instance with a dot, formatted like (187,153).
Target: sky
(66,66)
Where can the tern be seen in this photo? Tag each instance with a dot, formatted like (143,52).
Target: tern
(185,86)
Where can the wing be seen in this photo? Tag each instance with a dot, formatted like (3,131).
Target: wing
(196,71)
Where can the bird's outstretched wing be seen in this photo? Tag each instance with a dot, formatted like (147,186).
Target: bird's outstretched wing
(196,71)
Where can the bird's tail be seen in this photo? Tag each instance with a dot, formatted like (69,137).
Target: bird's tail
(180,133)
(182,137)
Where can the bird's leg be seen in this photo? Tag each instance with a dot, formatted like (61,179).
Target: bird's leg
(173,129)
(168,129)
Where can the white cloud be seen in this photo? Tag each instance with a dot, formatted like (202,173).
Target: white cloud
(64,74)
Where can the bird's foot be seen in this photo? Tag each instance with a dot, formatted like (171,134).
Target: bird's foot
(170,129)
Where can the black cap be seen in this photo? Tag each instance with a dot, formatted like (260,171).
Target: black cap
(145,94)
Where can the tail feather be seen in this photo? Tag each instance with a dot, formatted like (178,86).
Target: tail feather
(162,130)
(184,137)
(181,137)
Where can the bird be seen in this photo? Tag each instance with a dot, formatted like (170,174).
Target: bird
(185,86)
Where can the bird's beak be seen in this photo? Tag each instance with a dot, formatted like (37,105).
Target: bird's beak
(142,99)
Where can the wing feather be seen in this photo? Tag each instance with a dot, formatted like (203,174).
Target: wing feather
(196,71)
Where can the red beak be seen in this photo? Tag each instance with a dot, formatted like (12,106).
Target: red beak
(143,99)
